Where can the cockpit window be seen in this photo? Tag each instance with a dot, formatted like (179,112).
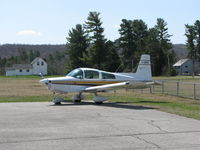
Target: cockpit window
(91,74)
(76,73)
(107,76)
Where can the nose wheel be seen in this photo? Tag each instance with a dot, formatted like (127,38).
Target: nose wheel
(56,100)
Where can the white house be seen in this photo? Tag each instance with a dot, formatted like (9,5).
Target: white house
(184,67)
(37,66)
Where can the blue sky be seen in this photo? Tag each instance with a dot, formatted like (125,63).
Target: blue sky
(48,21)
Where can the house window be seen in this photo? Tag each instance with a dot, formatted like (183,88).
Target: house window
(38,63)
(20,70)
(186,66)
(27,70)
(42,63)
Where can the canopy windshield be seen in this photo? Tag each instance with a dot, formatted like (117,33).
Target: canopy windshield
(76,73)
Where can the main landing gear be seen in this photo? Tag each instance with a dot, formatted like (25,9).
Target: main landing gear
(77,98)
(99,99)
(57,100)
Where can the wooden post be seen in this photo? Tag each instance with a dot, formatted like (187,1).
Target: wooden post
(194,91)
(163,90)
(177,89)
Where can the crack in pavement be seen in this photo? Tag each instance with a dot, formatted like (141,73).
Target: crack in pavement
(152,123)
(96,137)
(148,142)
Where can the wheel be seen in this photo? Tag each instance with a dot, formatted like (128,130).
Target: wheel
(98,103)
(77,98)
(57,103)
(77,101)
(99,99)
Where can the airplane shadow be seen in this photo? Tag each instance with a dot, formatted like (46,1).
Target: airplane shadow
(124,105)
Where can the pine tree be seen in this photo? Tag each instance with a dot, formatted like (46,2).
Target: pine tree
(132,41)
(77,42)
(164,47)
(197,37)
(96,52)
(192,32)
(127,43)
(112,60)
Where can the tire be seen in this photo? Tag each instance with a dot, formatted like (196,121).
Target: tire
(98,103)
(77,101)
(57,103)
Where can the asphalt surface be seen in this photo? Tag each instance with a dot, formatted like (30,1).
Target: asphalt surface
(43,126)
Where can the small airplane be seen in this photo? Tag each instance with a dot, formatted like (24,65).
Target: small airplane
(90,80)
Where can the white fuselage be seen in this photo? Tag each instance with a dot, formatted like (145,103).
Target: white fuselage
(69,84)
(80,79)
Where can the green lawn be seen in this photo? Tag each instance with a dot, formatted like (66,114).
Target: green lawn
(180,106)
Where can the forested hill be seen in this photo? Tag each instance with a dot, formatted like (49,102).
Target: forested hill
(8,50)
(180,51)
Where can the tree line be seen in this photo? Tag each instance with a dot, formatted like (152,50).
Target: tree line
(192,32)
(88,47)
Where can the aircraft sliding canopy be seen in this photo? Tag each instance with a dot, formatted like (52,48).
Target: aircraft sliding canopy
(90,74)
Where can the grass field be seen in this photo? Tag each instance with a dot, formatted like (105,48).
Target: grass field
(28,89)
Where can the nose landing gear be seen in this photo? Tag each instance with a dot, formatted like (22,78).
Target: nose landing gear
(56,100)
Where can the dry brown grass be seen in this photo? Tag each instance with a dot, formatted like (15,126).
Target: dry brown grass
(21,87)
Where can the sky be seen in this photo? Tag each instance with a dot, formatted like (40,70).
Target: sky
(49,21)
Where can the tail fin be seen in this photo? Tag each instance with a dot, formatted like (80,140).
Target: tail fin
(144,69)
(143,72)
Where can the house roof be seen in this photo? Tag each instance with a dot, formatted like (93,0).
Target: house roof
(36,59)
(180,62)
(20,66)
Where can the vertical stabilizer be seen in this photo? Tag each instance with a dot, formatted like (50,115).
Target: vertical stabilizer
(143,72)
(144,68)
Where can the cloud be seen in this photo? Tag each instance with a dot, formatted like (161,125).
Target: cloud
(29,32)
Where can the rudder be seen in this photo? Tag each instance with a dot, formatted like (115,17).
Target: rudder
(144,68)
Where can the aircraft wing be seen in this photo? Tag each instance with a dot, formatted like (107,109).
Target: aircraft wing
(106,87)
(127,84)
